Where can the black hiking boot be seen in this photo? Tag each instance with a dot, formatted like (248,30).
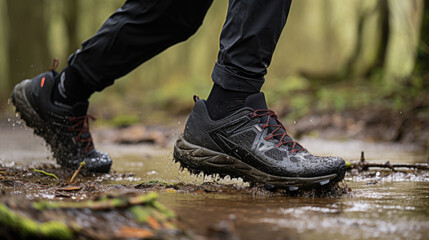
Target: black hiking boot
(252,144)
(64,128)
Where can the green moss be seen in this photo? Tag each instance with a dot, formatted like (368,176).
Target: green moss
(14,222)
(28,228)
(124,120)
(141,214)
(116,202)
(149,198)
(57,230)
(42,205)
(153,208)
(163,209)
(349,165)
(142,206)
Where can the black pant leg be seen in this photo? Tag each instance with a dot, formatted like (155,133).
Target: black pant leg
(136,32)
(247,42)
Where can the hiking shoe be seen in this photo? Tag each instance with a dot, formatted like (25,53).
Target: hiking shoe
(252,144)
(64,128)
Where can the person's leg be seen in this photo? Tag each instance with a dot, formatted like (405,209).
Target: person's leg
(133,34)
(247,42)
(233,132)
(55,105)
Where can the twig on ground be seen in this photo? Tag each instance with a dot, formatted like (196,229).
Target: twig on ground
(364,165)
(46,173)
(77,171)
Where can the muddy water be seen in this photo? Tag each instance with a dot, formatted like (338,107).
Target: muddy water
(395,206)
(386,211)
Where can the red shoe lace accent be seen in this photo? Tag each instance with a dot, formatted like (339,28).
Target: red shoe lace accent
(81,125)
(271,114)
(54,64)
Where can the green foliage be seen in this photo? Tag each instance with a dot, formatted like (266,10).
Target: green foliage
(163,87)
(27,228)
(124,120)
(290,93)
(422,65)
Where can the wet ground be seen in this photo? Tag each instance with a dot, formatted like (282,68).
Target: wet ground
(378,204)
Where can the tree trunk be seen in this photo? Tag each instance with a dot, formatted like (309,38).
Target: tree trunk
(70,18)
(404,33)
(28,49)
(4,66)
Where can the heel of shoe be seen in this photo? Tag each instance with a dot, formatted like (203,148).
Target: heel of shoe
(23,106)
(199,159)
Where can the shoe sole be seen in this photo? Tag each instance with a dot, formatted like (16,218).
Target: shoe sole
(198,159)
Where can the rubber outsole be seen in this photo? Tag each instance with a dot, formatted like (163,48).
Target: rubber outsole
(198,159)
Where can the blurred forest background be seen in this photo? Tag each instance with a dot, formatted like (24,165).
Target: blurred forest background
(360,66)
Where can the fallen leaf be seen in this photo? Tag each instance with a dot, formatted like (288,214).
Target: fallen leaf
(153,223)
(129,232)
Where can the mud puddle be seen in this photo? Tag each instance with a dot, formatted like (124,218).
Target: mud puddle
(376,204)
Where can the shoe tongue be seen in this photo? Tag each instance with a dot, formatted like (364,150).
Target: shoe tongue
(256,101)
(80,108)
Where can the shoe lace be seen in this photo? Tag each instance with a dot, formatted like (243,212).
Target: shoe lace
(54,64)
(81,126)
(285,139)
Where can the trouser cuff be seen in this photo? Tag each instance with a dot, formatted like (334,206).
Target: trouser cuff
(226,78)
